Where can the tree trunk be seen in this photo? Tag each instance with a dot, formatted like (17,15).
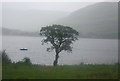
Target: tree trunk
(56,59)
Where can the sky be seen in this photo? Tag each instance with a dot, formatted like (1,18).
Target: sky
(15,7)
(51,5)
(55,5)
(59,0)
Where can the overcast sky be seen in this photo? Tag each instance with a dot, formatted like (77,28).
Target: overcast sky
(59,0)
(54,6)
(51,5)
(18,7)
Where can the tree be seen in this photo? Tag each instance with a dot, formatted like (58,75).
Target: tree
(5,58)
(27,61)
(60,37)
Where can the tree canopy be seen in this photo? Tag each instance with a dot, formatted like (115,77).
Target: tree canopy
(61,37)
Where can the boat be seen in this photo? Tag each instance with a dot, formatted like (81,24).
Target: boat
(23,49)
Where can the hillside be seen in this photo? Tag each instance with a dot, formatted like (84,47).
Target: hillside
(28,19)
(13,32)
(95,21)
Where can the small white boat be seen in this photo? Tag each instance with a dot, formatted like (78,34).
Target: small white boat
(23,49)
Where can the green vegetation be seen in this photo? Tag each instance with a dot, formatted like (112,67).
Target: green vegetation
(61,37)
(0,66)
(25,70)
(5,58)
(60,72)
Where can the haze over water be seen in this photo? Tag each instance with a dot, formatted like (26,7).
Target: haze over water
(95,51)
(92,20)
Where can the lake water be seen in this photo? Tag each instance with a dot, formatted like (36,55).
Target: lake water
(95,51)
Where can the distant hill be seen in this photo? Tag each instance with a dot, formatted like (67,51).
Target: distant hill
(99,20)
(29,20)
(95,21)
(13,32)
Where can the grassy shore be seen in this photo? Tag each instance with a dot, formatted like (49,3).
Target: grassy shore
(14,71)
(26,70)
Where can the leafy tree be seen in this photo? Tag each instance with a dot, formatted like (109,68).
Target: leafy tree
(5,58)
(25,61)
(60,37)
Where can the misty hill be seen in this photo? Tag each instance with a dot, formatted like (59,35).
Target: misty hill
(6,31)
(98,20)
(29,20)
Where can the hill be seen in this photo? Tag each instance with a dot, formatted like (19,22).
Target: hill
(13,32)
(95,21)
(28,19)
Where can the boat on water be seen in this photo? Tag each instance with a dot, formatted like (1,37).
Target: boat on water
(23,49)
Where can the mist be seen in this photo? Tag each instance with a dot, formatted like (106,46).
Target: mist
(32,16)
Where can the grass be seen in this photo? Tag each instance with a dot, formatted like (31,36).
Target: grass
(25,70)
(14,71)
(0,70)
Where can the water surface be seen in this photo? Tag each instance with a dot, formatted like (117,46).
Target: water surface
(98,51)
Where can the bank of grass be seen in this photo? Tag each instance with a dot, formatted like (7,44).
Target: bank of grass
(26,70)
(14,71)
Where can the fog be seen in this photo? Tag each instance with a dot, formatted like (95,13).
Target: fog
(91,19)
(0,14)
(31,16)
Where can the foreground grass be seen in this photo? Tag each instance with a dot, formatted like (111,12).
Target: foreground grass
(60,72)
